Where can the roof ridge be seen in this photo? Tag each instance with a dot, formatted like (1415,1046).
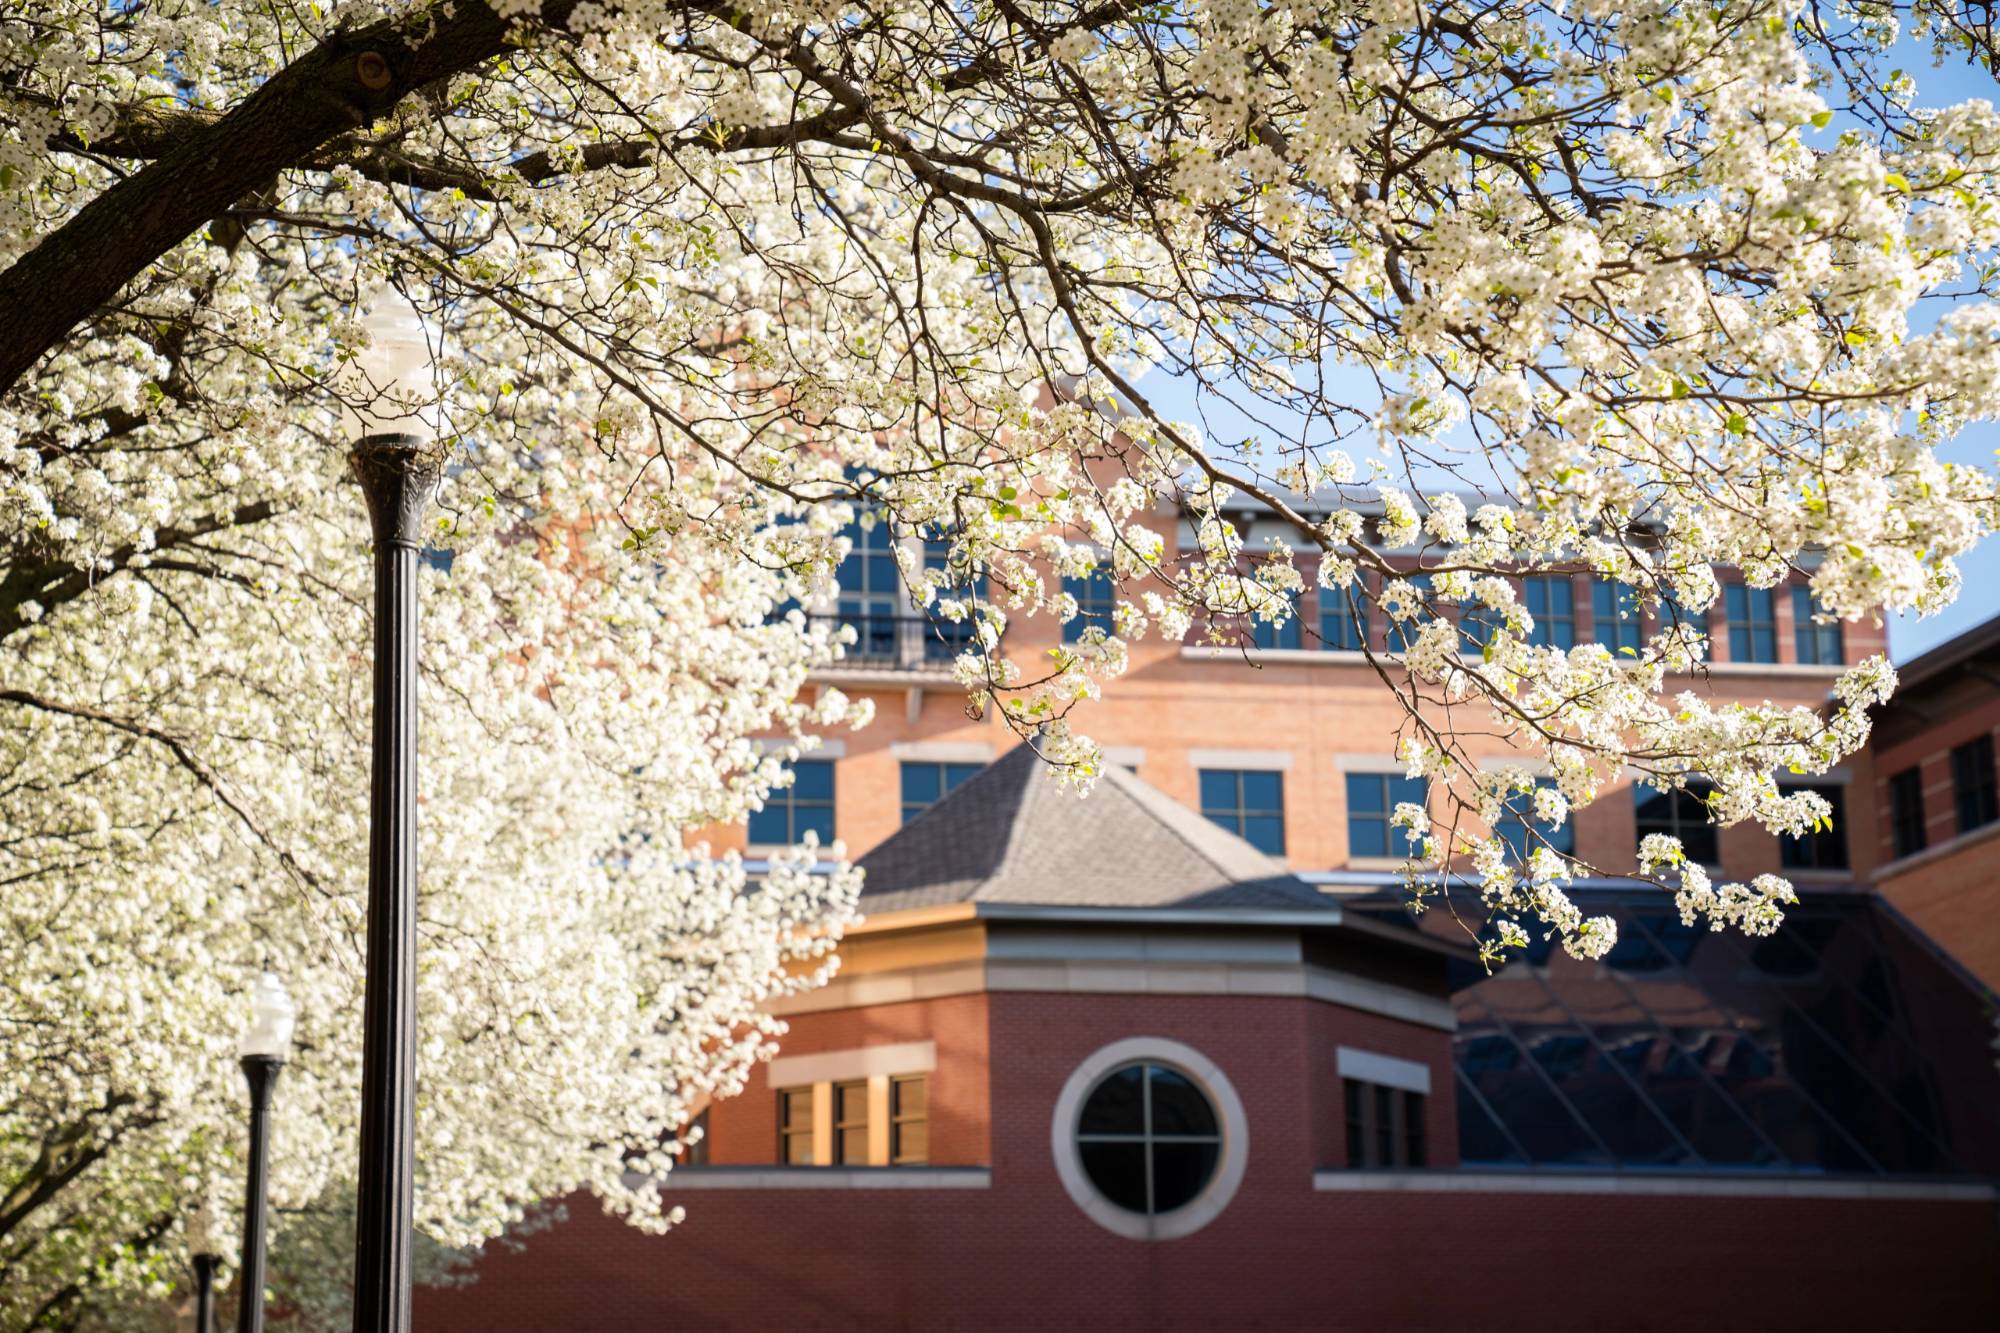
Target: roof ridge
(1017,824)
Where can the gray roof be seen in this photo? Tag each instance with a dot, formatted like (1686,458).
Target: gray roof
(1011,835)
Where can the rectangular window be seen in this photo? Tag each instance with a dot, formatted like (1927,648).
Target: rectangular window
(870,590)
(1096,600)
(1480,623)
(789,813)
(945,639)
(1673,614)
(1403,633)
(850,1123)
(1683,814)
(1972,784)
(1906,812)
(1385,1126)
(1249,803)
(1343,620)
(1818,643)
(1615,607)
(1518,817)
(926,783)
(1753,624)
(1551,600)
(795,1126)
(1372,799)
(1823,848)
(1267,635)
(910,1120)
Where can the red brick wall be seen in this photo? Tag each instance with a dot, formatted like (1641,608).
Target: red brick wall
(1951,893)
(1286,1260)
(1022,1256)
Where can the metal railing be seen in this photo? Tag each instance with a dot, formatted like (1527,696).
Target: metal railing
(907,642)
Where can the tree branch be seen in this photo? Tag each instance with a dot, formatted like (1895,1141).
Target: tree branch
(339,86)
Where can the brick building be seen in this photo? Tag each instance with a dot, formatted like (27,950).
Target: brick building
(1173,1056)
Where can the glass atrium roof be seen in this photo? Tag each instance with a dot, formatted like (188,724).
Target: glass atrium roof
(1842,1045)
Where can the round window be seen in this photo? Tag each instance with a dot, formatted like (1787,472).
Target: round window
(1148,1138)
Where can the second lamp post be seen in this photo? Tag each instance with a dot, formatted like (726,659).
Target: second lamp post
(263,1050)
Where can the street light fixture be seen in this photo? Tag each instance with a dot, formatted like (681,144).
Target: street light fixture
(390,389)
(263,1049)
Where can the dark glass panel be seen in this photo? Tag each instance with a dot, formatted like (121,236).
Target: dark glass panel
(815,819)
(1218,789)
(1480,1141)
(1263,790)
(1180,1171)
(813,780)
(1533,1115)
(1114,1106)
(1178,1105)
(1365,792)
(1118,1170)
(1266,833)
(920,783)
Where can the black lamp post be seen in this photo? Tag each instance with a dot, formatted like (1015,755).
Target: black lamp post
(397,468)
(263,1051)
(205,1261)
(204,1291)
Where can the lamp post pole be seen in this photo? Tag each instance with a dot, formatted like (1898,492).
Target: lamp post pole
(263,1051)
(204,1291)
(261,1072)
(398,478)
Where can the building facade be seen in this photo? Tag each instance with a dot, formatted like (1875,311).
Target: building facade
(1176,1056)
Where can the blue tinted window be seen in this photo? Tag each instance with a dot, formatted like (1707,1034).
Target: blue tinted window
(870,589)
(1403,633)
(1551,600)
(1615,608)
(926,783)
(1096,599)
(1372,799)
(1753,624)
(1817,644)
(789,813)
(1267,635)
(1343,620)
(1249,803)
(945,639)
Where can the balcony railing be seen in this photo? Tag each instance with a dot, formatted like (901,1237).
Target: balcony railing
(902,642)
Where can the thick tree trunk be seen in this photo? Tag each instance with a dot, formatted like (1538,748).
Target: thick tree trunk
(342,84)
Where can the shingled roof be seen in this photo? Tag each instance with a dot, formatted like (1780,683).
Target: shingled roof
(1010,835)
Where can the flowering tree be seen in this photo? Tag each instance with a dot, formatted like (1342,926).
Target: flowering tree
(1644,290)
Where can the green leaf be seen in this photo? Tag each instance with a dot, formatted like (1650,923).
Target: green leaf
(1822,120)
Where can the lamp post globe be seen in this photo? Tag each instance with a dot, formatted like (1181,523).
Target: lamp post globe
(262,1051)
(388,393)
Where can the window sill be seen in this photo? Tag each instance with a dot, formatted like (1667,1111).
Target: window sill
(829,1178)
